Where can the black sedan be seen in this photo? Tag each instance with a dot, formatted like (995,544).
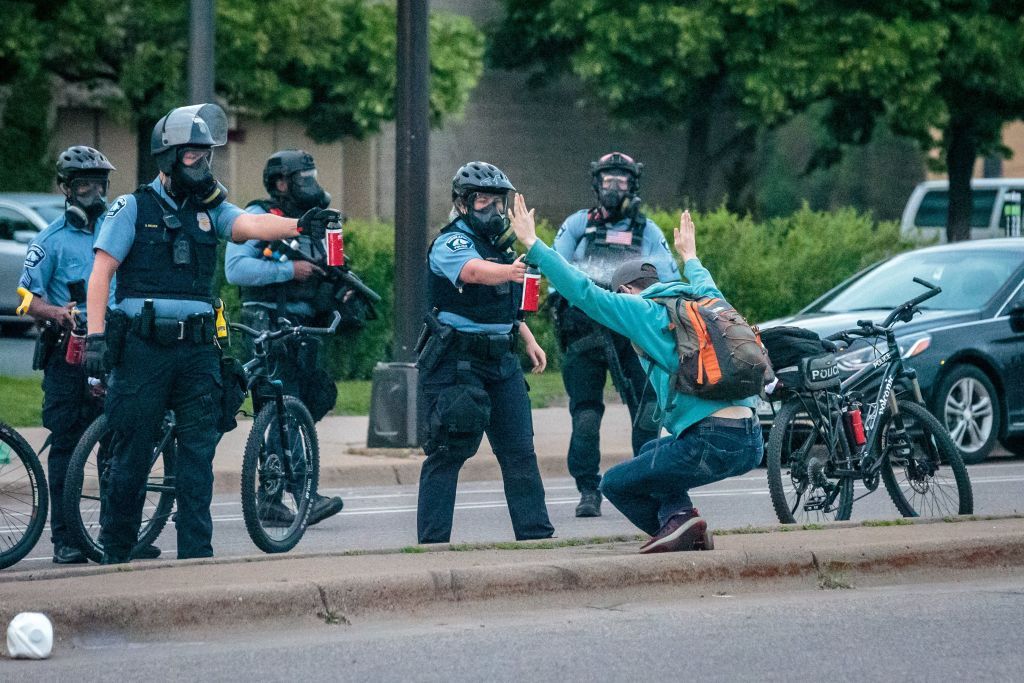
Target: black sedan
(968,358)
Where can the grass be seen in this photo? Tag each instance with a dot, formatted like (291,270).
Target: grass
(21,401)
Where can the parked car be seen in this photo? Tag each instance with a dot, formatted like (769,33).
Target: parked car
(968,358)
(927,209)
(22,215)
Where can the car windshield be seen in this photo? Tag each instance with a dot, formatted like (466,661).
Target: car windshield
(968,280)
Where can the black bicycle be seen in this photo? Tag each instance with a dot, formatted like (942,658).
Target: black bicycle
(822,442)
(23,497)
(281,462)
(87,470)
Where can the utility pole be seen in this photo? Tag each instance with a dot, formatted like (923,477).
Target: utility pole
(393,408)
(201,65)
(411,175)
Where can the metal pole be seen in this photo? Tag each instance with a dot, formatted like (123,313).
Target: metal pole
(411,175)
(200,55)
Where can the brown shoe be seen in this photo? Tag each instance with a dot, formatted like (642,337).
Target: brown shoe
(683,531)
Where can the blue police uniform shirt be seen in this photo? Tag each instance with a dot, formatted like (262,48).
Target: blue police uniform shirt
(245,265)
(571,246)
(447,258)
(118,234)
(59,254)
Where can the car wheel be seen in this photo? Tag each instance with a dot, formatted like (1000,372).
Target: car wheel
(968,406)
(1014,444)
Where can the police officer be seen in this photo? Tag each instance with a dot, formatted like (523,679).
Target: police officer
(58,263)
(597,241)
(272,289)
(161,240)
(470,379)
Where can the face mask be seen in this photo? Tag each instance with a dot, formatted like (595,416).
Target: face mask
(87,202)
(306,193)
(612,199)
(194,178)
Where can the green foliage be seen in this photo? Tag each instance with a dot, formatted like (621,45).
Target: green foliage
(25,134)
(21,401)
(330,63)
(774,268)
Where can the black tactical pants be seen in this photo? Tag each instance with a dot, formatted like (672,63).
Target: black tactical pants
(152,378)
(509,430)
(67,411)
(585,371)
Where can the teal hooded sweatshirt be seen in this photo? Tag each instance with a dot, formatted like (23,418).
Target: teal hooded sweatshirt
(644,322)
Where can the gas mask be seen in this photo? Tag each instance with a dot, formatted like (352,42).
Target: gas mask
(192,174)
(86,201)
(616,195)
(491,221)
(305,192)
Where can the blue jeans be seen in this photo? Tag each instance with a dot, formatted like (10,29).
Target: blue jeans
(654,486)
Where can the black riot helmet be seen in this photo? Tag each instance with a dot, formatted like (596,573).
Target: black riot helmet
(480,178)
(617,201)
(188,133)
(304,190)
(83,174)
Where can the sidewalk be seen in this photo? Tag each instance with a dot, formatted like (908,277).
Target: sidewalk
(337,588)
(345,460)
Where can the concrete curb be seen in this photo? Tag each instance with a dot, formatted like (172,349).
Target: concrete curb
(285,590)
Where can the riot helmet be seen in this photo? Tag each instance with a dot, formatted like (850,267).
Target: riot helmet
(298,169)
(182,144)
(615,178)
(83,174)
(480,194)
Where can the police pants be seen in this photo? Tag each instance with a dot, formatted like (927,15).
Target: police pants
(67,411)
(510,432)
(585,374)
(152,378)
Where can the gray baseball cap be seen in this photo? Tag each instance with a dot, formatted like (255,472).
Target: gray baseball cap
(631,271)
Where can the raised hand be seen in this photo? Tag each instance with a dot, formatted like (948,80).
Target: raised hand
(523,222)
(685,242)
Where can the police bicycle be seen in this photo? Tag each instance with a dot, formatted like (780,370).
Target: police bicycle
(825,438)
(281,461)
(279,466)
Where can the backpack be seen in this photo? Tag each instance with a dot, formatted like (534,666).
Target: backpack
(721,357)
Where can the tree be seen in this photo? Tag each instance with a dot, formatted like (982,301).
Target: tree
(921,67)
(330,63)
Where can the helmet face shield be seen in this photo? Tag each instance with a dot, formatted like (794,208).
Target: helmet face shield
(204,125)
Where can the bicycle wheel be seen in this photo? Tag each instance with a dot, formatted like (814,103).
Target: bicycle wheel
(799,462)
(23,497)
(923,470)
(276,493)
(86,471)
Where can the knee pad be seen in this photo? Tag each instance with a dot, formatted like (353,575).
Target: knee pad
(587,422)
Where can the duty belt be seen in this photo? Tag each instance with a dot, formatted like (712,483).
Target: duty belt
(196,329)
(483,346)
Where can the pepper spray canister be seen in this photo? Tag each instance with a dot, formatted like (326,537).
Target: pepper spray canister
(335,245)
(531,290)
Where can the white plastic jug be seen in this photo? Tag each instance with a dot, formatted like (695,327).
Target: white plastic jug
(30,636)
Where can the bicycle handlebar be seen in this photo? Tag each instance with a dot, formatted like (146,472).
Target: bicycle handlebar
(297,330)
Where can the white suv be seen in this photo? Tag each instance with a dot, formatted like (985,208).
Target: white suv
(926,211)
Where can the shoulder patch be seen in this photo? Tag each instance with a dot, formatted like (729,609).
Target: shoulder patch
(34,256)
(458,243)
(117,206)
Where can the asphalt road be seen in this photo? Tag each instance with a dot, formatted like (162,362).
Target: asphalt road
(967,630)
(385,517)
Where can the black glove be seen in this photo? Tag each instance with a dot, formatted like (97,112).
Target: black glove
(315,221)
(96,355)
